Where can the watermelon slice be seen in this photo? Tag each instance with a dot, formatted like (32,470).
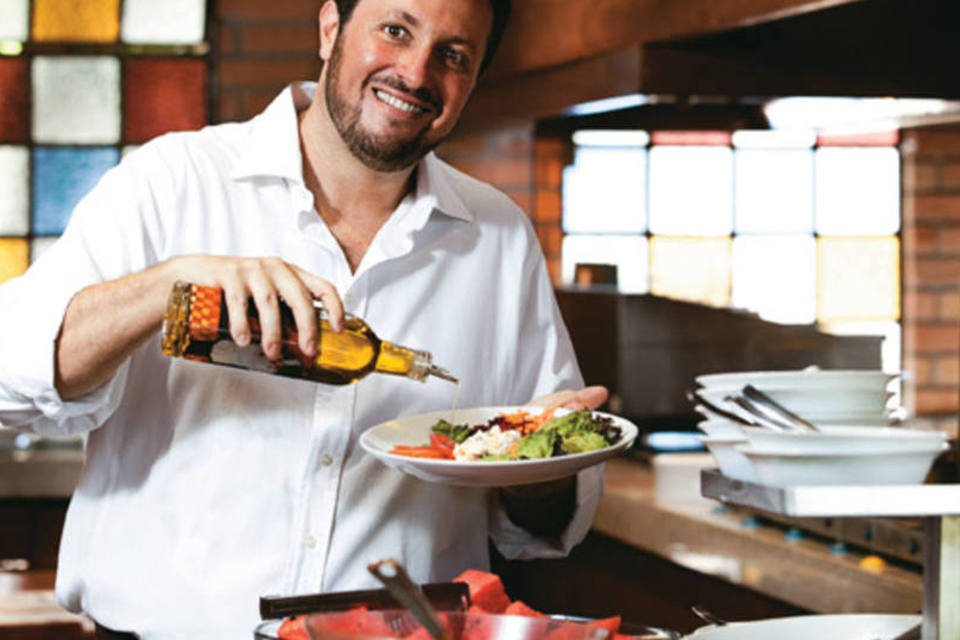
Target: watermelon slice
(486,590)
(611,624)
(520,608)
(293,629)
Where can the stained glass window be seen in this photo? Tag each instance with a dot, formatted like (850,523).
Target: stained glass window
(794,227)
(81,82)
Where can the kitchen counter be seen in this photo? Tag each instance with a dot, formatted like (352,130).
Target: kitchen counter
(39,472)
(705,536)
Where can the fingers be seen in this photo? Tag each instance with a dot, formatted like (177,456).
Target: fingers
(586,398)
(327,294)
(265,282)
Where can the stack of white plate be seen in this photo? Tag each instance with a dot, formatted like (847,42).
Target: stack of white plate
(854,444)
(832,397)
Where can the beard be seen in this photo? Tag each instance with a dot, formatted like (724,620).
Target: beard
(383,153)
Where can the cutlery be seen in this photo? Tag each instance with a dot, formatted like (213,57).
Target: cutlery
(763,400)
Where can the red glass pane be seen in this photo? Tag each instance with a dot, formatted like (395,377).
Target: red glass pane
(161,95)
(697,138)
(865,139)
(14,96)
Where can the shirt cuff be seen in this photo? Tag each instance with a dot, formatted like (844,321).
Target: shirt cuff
(28,396)
(516,543)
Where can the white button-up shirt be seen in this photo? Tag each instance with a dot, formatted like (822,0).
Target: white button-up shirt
(206,487)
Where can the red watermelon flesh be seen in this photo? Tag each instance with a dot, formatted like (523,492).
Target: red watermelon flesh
(611,624)
(520,608)
(293,629)
(486,590)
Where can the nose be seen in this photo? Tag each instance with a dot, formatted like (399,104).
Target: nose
(414,65)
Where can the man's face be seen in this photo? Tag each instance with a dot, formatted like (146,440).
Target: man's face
(399,73)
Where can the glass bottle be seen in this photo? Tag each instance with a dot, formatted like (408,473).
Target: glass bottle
(196,327)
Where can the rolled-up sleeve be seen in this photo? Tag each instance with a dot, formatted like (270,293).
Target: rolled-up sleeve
(108,236)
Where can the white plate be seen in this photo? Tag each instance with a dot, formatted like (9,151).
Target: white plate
(839,440)
(853,626)
(379,440)
(816,378)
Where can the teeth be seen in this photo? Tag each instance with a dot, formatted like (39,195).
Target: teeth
(398,103)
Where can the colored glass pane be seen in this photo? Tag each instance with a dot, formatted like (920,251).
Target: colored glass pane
(161,95)
(628,253)
(14,100)
(774,191)
(858,278)
(692,269)
(76,100)
(775,277)
(14,255)
(13,20)
(691,190)
(38,246)
(858,191)
(14,212)
(61,177)
(76,20)
(604,190)
(167,22)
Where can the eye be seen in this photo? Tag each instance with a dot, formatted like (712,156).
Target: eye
(454,57)
(394,31)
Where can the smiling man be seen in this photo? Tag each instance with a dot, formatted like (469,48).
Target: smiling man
(206,487)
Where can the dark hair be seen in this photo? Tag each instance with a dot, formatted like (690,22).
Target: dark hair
(501,14)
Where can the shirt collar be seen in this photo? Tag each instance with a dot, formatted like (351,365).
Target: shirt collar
(273,144)
(273,149)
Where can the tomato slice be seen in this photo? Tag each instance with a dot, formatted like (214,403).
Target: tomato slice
(443,443)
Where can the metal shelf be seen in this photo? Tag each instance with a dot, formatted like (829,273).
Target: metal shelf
(938,504)
(894,501)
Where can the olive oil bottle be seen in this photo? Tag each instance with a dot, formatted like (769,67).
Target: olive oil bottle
(196,327)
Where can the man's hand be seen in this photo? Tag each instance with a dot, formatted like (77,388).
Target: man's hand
(104,323)
(586,398)
(545,508)
(265,281)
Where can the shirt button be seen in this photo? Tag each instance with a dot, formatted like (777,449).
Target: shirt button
(310,542)
(325,460)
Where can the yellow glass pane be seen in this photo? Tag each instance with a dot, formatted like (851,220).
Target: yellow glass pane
(692,269)
(14,255)
(76,20)
(858,279)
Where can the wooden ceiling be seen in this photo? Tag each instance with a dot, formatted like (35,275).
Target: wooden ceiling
(559,53)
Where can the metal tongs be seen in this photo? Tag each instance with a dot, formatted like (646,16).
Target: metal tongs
(762,406)
(394,577)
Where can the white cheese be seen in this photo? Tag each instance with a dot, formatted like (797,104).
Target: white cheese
(492,442)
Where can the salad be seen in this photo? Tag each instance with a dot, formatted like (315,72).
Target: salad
(516,436)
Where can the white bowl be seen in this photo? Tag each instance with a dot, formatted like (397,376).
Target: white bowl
(848,379)
(836,440)
(732,463)
(791,469)
(724,429)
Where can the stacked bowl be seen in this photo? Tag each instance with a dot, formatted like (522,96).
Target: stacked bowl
(855,442)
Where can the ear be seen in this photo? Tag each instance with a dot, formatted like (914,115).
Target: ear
(329,21)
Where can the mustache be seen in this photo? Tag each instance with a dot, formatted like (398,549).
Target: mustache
(422,94)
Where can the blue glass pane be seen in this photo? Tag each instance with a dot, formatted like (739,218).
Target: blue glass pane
(61,177)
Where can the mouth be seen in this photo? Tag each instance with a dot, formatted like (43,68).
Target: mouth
(399,103)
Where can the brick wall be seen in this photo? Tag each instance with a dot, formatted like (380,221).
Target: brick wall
(260,47)
(526,168)
(931,269)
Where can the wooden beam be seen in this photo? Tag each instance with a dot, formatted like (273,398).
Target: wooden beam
(547,33)
(549,92)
